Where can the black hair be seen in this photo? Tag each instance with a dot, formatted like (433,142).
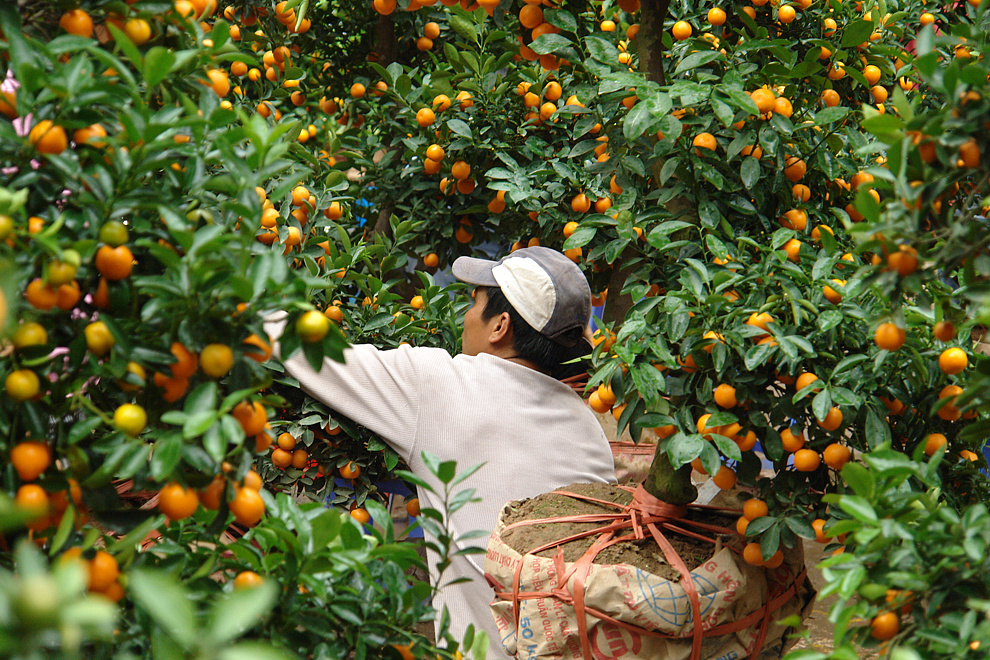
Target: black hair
(539,349)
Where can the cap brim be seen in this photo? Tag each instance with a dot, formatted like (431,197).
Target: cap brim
(474,271)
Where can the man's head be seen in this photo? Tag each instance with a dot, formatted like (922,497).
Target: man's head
(536,299)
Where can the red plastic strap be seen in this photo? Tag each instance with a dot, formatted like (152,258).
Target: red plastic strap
(515,593)
(643,501)
(674,559)
(586,498)
(587,517)
(773,604)
(580,570)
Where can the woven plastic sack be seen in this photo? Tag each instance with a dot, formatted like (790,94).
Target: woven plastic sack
(629,613)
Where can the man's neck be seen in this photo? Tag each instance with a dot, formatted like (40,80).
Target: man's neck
(526,363)
(508,353)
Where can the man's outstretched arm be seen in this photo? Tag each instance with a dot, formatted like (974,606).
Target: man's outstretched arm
(377,389)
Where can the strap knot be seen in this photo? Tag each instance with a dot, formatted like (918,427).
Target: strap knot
(651,506)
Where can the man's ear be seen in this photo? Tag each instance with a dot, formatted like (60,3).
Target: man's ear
(501,328)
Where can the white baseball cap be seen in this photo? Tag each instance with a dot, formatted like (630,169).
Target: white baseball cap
(547,289)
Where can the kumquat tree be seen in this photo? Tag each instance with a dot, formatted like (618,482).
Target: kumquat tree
(140,209)
(780,206)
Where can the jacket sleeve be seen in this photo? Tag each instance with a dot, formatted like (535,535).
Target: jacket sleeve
(377,389)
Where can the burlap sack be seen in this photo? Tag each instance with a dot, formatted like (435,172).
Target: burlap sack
(634,614)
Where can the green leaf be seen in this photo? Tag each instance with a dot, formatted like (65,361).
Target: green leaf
(403,84)
(239,611)
(728,447)
(830,115)
(214,442)
(23,55)
(257,651)
(638,120)
(900,653)
(467,473)
(446,471)
(877,430)
(720,419)
(126,45)
(760,525)
(471,60)
(326,528)
(65,527)
(806,654)
(197,423)
(601,50)
(166,601)
(723,112)
(202,399)
(757,355)
(710,174)
(614,249)
(889,463)
(561,19)
(460,127)
(683,449)
(452,55)
(858,507)
(829,319)
(583,147)
(770,541)
(741,204)
(847,363)
(866,205)
(405,475)
(694,60)
(851,580)
(549,43)
(885,124)
(36,417)
(749,171)
(81,429)
(581,236)
(157,63)
(378,321)
(742,100)
(124,548)
(800,526)
(856,33)
(842,396)
(689,91)
(463,28)
(135,460)
(821,404)
(165,458)
(668,169)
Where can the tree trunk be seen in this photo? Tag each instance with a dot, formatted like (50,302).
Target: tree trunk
(618,305)
(663,481)
(666,483)
(382,225)
(386,45)
(650,46)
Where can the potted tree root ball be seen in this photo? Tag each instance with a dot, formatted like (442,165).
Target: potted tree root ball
(607,571)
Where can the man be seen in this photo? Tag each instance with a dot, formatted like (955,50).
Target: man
(499,403)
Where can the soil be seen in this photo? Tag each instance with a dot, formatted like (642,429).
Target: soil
(644,554)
